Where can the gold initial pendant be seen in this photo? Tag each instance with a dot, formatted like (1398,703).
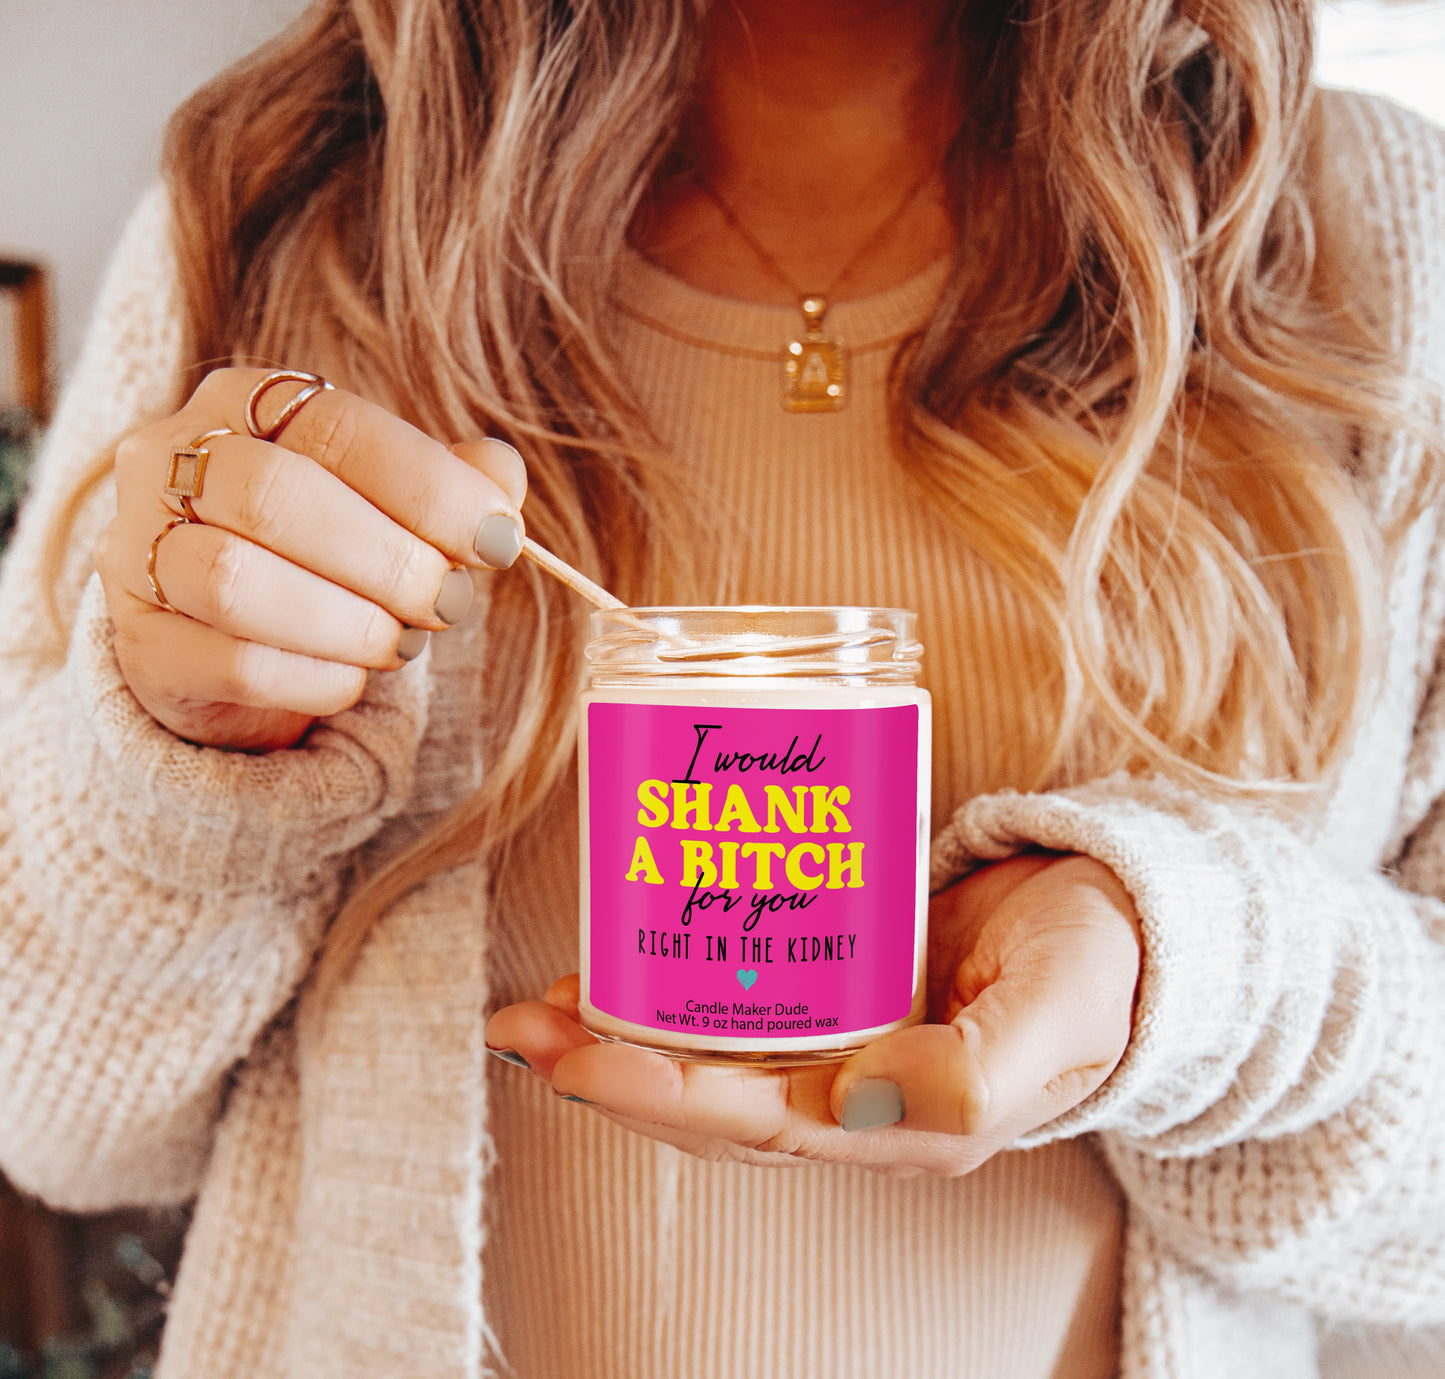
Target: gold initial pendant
(815,366)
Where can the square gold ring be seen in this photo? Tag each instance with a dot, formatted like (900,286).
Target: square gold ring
(187,475)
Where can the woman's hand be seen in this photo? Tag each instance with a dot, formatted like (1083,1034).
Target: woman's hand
(316,559)
(1033,964)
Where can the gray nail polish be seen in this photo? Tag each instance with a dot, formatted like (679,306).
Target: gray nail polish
(498,540)
(455,598)
(871,1104)
(567,1096)
(509,1056)
(413,643)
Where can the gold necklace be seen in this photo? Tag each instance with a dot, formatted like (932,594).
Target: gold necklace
(815,365)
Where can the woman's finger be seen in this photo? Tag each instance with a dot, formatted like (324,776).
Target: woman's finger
(174,663)
(704,1146)
(296,509)
(745,1105)
(500,462)
(247,592)
(536,1033)
(566,994)
(539,1034)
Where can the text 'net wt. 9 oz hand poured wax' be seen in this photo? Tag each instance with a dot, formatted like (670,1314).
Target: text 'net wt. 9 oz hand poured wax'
(755,790)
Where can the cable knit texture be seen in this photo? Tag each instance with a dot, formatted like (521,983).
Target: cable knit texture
(1277,1125)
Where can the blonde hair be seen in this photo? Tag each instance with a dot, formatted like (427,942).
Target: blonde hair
(1131,399)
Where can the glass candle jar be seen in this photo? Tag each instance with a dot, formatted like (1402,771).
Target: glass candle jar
(754,788)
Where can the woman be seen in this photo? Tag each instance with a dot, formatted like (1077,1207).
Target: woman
(1130,316)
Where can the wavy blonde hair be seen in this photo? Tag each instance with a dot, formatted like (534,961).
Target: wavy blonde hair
(1132,398)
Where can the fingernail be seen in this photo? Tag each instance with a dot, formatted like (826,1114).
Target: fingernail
(498,540)
(509,1056)
(455,598)
(871,1104)
(413,643)
(580,1100)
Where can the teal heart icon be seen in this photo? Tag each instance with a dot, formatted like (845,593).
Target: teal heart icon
(747,976)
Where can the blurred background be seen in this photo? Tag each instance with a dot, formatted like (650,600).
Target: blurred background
(85,89)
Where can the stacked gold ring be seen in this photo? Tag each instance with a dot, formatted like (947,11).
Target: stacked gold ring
(151,563)
(187,475)
(314,384)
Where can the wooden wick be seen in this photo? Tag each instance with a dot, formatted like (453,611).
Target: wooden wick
(578,582)
(573,579)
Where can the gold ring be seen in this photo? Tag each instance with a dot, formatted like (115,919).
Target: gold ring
(314,384)
(187,474)
(151,563)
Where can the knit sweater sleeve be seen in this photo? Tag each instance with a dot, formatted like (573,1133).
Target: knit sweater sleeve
(159,902)
(1278,1119)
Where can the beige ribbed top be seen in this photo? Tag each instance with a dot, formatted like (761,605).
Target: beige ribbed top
(611,1257)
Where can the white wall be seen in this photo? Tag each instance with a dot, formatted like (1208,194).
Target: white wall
(85,89)
(1397,49)
(86,85)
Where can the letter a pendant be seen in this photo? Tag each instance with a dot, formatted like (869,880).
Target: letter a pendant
(815,366)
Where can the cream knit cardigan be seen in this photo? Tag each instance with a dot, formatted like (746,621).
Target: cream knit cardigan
(1277,1124)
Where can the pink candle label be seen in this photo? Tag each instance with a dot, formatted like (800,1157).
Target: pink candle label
(754,872)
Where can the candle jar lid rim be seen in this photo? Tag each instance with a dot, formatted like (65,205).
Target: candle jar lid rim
(792,640)
(646,610)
